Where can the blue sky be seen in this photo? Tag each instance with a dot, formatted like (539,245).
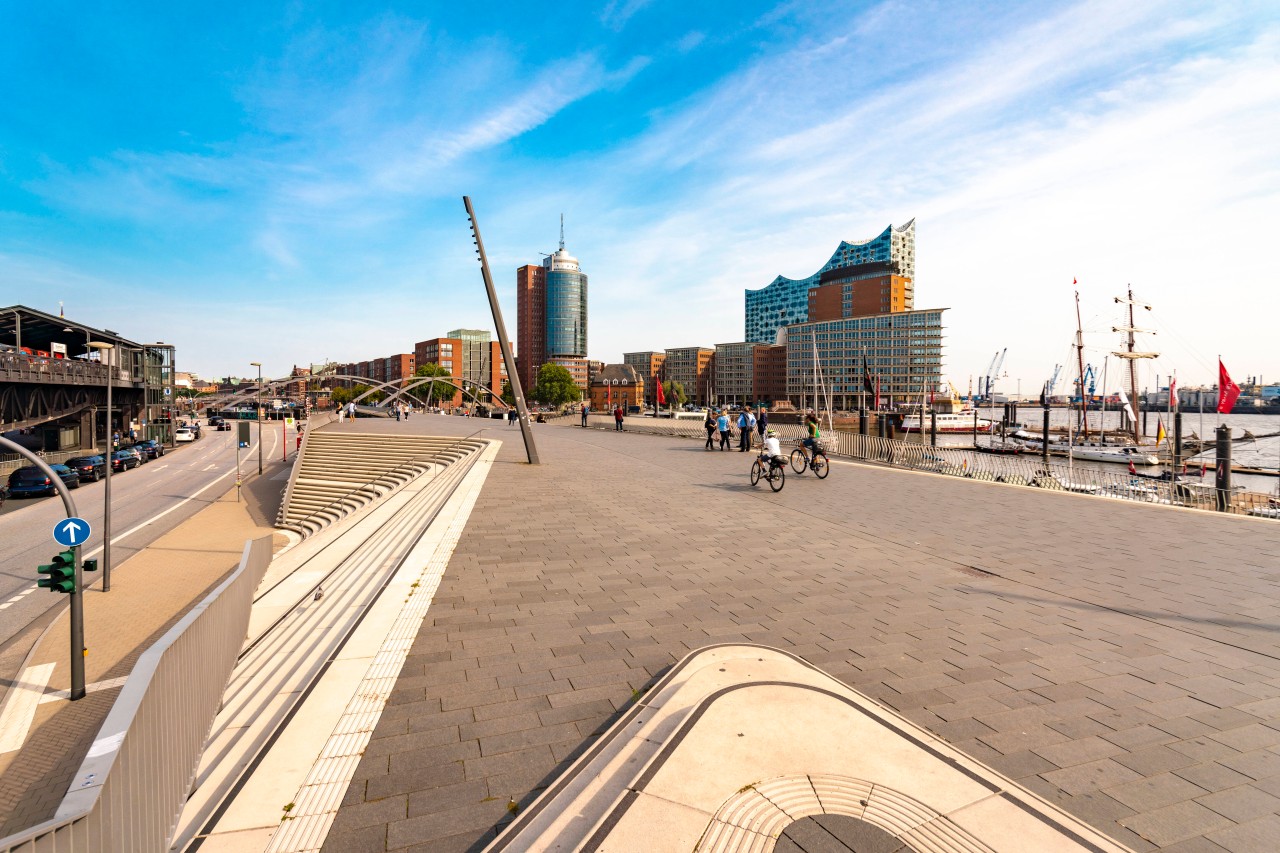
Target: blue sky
(282,182)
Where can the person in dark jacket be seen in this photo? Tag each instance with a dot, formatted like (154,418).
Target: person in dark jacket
(710,426)
(617,418)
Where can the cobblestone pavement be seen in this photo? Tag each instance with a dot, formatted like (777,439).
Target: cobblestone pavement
(1121,660)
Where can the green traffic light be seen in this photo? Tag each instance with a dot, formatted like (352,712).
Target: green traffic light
(61,573)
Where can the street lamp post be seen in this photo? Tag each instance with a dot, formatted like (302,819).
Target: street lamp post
(258,365)
(104,350)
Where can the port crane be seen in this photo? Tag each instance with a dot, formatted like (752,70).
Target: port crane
(1053,380)
(986,383)
(1088,387)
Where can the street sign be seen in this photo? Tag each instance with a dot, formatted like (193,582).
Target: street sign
(168,391)
(70,532)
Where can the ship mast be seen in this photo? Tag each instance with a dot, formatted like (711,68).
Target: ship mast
(1084,403)
(1132,356)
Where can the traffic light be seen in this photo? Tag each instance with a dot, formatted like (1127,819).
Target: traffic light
(61,573)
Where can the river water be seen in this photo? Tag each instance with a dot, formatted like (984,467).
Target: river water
(1263,453)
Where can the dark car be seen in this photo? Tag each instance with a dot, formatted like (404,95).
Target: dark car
(123,460)
(151,448)
(31,481)
(215,421)
(223,426)
(90,469)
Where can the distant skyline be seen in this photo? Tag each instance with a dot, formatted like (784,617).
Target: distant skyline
(283,184)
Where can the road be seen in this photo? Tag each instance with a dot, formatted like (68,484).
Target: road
(147,502)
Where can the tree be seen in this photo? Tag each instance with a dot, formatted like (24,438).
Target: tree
(674,393)
(340,395)
(508,396)
(555,386)
(437,391)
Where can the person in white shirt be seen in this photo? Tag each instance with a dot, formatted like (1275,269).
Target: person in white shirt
(772,448)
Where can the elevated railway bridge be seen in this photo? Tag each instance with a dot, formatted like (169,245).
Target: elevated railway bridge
(53,384)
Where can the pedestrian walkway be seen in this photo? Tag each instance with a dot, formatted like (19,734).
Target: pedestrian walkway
(46,734)
(1121,661)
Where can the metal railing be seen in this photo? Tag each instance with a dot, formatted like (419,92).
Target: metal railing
(69,371)
(1025,469)
(138,772)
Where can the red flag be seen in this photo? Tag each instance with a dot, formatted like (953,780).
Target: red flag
(877,405)
(662,398)
(1132,470)
(1173,393)
(1228,391)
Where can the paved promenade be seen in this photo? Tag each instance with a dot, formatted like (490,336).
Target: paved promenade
(1120,660)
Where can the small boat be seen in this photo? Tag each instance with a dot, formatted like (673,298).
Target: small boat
(999,449)
(1123,454)
(952,422)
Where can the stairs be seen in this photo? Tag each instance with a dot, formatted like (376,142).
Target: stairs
(339,473)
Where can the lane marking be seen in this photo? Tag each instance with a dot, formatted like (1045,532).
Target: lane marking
(20,709)
(60,695)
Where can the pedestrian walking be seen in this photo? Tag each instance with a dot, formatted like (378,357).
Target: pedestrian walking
(746,428)
(586,407)
(710,426)
(511,417)
(617,418)
(397,408)
(762,422)
(342,413)
(722,424)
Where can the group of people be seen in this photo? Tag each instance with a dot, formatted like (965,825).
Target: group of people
(747,422)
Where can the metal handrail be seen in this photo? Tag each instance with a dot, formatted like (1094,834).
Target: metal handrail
(152,738)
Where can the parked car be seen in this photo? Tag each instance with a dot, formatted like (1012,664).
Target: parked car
(30,481)
(90,469)
(184,435)
(151,448)
(123,460)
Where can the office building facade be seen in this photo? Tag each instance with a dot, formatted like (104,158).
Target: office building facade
(649,366)
(786,301)
(903,350)
(551,313)
(692,367)
(732,382)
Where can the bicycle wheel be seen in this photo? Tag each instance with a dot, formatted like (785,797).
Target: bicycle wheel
(821,466)
(799,460)
(778,478)
(757,471)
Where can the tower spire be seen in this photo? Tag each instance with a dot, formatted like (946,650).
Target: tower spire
(562,232)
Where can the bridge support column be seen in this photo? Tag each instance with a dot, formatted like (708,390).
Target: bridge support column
(89,429)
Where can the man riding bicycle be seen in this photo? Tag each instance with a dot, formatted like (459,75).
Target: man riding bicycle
(773,450)
(811,428)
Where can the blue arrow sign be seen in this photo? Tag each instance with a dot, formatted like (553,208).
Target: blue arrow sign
(70,532)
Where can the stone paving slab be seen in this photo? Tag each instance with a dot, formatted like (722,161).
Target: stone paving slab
(1119,660)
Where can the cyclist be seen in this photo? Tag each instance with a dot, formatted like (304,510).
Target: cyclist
(772,449)
(812,433)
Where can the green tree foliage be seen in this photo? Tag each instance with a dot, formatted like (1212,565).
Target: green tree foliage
(555,386)
(508,396)
(340,395)
(437,391)
(674,393)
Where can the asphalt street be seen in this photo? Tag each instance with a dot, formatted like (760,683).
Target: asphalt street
(147,502)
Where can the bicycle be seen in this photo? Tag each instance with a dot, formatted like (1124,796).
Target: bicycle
(818,463)
(765,469)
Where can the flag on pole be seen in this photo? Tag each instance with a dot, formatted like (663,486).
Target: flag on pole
(1160,433)
(866,377)
(1173,393)
(1044,396)
(662,398)
(877,405)
(1228,391)
(1132,470)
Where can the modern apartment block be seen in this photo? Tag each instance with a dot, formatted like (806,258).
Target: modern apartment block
(481,359)
(446,352)
(400,366)
(733,375)
(649,366)
(769,373)
(551,313)
(903,350)
(692,368)
(786,301)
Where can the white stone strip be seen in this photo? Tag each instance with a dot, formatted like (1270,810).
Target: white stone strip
(20,709)
(317,803)
(110,683)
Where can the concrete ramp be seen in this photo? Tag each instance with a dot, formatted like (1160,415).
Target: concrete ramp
(340,472)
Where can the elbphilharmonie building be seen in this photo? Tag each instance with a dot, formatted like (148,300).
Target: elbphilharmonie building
(786,301)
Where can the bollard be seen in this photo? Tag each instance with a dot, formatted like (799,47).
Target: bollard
(1222,482)
(862,421)
(1044,437)
(933,429)
(1177,443)
(891,428)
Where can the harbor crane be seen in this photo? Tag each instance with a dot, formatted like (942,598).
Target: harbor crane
(986,383)
(1053,380)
